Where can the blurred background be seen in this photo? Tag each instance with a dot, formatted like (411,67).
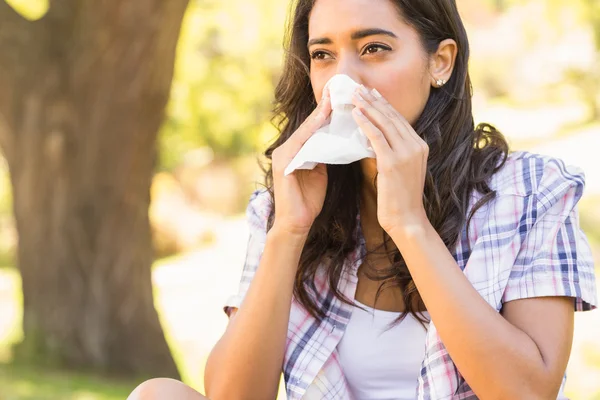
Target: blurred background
(121,226)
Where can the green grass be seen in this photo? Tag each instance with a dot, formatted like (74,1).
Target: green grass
(27,382)
(12,334)
(30,383)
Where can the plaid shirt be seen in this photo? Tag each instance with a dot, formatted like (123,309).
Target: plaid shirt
(525,243)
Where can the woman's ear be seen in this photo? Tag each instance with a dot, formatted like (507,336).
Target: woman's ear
(441,63)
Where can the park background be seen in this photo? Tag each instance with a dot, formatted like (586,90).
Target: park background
(82,88)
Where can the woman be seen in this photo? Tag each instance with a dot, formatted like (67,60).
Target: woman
(446,268)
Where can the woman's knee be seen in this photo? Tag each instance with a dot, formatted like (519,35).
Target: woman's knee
(164,389)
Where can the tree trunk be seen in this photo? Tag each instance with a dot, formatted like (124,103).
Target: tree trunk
(83,95)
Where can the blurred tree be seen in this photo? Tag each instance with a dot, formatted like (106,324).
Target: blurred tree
(230,59)
(83,95)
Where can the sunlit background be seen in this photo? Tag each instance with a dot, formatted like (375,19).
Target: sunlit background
(536,75)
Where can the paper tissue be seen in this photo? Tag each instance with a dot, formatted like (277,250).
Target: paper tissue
(340,141)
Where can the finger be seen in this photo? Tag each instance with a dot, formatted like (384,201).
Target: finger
(403,126)
(376,137)
(319,115)
(326,93)
(323,105)
(315,121)
(381,121)
(406,131)
(383,106)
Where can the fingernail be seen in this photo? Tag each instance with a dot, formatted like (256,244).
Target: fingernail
(359,97)
(376,94)
(359,113)
(364,90)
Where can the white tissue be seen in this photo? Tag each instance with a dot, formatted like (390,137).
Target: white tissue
(340,141)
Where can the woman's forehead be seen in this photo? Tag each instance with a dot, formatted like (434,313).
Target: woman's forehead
(343,17)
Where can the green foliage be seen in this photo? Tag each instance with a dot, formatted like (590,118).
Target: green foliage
(587,81)
(591,9)
(228,62)
(30,9)
(7,234)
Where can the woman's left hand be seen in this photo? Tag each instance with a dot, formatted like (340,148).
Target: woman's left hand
(401,157)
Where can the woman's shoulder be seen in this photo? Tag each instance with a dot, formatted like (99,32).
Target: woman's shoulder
(525,173)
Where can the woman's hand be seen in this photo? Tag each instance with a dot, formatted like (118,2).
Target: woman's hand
(401,161)
(299,197)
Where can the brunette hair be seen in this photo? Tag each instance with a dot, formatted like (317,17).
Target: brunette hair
(462,157)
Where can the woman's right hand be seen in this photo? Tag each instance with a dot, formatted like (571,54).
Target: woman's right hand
(299,197)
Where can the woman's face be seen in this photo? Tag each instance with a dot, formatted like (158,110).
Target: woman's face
(368,41)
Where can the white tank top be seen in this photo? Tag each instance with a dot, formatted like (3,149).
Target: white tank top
(379,362)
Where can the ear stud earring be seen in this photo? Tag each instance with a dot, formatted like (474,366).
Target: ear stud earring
(440,82)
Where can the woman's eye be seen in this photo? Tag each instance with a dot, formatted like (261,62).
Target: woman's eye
(318,55)
(375,48)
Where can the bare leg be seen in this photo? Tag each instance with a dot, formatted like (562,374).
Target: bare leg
(164,389)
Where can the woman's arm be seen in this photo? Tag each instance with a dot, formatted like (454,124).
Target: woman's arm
(522,355)
(246,363)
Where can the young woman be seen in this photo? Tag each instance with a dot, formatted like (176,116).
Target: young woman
(446,268)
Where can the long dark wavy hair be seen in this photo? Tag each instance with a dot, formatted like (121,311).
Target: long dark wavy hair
(462,157)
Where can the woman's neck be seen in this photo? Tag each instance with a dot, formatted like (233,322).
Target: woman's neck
(372,231)
(369,172)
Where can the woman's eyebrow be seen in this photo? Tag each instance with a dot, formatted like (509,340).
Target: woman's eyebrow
(361,34)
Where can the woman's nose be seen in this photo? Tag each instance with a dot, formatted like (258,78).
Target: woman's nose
(350,68)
